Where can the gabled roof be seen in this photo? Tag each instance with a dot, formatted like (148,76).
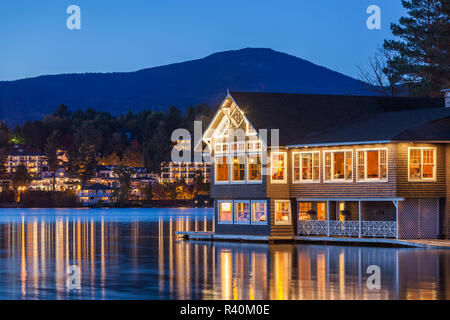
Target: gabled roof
(319,119)
(435,130)
(381,127)
(97,186)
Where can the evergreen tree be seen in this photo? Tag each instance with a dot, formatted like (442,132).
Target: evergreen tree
(421,55)
(51,149)
(4,134)
(21,179)
(124,175)
(3,162)
(85,162)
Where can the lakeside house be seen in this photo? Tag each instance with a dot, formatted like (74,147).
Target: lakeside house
(185,171)
(22,155)
(347,166)
(94,194)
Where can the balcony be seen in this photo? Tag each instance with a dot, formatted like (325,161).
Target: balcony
(362,218)
(370,229)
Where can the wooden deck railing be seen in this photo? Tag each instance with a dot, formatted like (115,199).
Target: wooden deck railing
(369,229)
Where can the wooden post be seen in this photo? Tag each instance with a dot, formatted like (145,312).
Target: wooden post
(328,218)
(396,217)
(359,213)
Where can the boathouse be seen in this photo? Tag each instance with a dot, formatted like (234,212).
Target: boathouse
(330,165)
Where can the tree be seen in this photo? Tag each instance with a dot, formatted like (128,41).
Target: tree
(159,190)
(198,181)
(85,162)
(4,134)
(62,112)
(111,160)
(21,179)
(421,55)
(124,175)
(51,151)
(133,155)
(3,161)
(380,76)
(148,191)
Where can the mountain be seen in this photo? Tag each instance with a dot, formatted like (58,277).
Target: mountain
(179,84)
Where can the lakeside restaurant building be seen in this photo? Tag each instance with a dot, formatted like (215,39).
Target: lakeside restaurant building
(352,166)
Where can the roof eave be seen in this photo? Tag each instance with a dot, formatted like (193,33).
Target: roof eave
(325,144)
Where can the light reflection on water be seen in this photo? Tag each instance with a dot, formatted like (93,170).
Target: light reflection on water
(134,254)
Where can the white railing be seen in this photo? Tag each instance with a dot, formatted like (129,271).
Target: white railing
(370,229)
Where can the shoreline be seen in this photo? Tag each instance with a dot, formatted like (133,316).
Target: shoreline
(15,206)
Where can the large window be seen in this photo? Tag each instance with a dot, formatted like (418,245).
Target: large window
(259,212)
(372,165)
(312,210)
(304,210)
(239,168)
(242,212)
(305,166)
(422,164)
(221,169)
(238,162)
(225,212)
(338,165)
(278,167)
(282,212)
(254,168)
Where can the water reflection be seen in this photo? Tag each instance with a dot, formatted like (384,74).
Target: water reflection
(134,254)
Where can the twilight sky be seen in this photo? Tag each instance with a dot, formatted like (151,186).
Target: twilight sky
(119,35)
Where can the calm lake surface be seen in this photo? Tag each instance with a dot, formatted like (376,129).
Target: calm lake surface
(134,254)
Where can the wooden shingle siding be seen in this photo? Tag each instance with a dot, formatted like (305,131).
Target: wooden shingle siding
(409,189)
(236,191)
(281,191)
(346,189)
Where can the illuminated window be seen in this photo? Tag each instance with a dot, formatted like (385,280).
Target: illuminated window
(372,164)
(254,168)
(225,212)
(282,212)
(218,147)
(338,165)
(312,210)
(221,169)
(239,168)
(242,212)
(321,210)
(254,146)
(422,163)
(305,166)
(259,212)
(304,210)
(278,167)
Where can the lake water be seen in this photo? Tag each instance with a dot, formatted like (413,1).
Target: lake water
(134,254)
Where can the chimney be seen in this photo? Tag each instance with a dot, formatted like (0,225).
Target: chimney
(447,97)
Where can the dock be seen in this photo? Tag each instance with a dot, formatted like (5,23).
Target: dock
(412,243)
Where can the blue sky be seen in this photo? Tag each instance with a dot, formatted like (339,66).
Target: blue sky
(118,35)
